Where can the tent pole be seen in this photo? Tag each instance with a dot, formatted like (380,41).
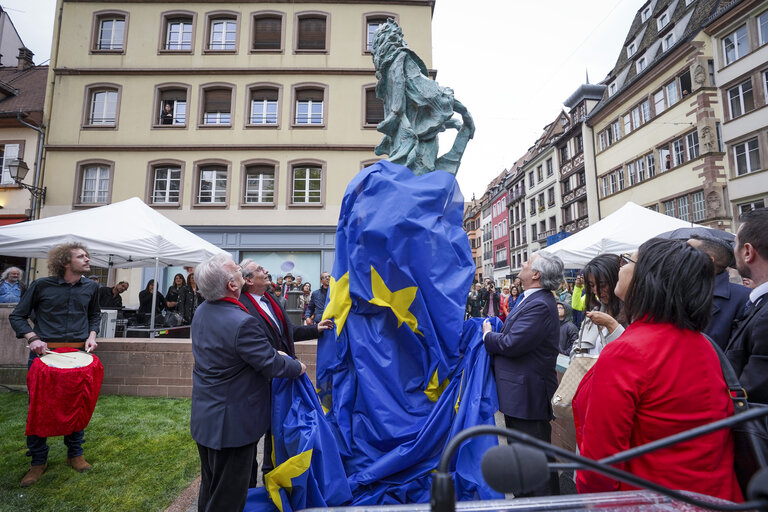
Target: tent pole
(154,301)
(110,270)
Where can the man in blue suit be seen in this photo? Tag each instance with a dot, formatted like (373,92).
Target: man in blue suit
(234,362)
(525,354)
(281,333)
(729,298)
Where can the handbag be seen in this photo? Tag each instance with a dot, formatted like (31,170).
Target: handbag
(750,439)
(579,366)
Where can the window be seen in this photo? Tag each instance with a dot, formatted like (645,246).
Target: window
(110,32)
(534,232)
(102,106)
(612,89)
(531,183)
(620,176)
(579,144)
(612,181)
(307,185)
(650,160)
(94,183)
(311,32)
(748,207)
(747,157)
(735,45)
(682,208)
(640,164)
(539,174)
(678,152)
(631,49)
(692,141)
(669,208)
(222,31)
(645,14)
(627,124)
(653,207)
(263,106)
(662,21)
(697,203)
(688,2)
(665,158)
(551,196)
(671,89)
(179,28)
(533,206)
(668,41)
(740,98)
(762,26)
(267,32)
(601,140)
(541,201)
(309,107)
(217,106)
(372,24)
(658,101)
(9,152)
(616,129)
(631,173)
(374,107)
(212,185)
(171,109)
(550,169)
(166,184)
(642,63)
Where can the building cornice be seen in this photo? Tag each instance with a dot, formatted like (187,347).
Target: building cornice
(210,147)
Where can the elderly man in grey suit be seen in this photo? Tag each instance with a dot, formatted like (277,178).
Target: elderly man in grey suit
(234,362)
(525,354)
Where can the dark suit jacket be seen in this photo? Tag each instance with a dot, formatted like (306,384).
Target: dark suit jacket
(496,303)
(727,307)
(748,352)
(525,355)
(290,332)
(234,363)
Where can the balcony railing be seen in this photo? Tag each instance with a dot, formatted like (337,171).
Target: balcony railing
(500,264)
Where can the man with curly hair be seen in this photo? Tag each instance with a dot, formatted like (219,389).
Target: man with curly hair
(65,308)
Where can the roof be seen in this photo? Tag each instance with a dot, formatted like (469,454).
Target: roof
(24,90)
(647,38)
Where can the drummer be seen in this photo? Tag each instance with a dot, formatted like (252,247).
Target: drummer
(66,314)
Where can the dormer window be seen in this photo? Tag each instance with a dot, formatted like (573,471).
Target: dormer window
(641,64)
(645,14)
(612,89)
(631,49)
(668,41)
(663,21)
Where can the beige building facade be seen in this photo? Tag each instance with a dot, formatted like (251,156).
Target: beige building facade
(242,121)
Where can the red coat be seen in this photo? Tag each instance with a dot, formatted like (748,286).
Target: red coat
(654,381)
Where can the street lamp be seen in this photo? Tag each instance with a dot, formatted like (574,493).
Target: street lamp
(18,170)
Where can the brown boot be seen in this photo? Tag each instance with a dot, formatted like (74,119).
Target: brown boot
(78,464)
(33,475)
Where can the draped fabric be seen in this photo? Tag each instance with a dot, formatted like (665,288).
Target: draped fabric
(62,400)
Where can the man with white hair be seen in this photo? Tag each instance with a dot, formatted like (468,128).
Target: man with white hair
(525,354)
(234,363)
(11,287)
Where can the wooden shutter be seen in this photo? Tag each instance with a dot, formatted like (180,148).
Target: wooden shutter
(374,107)
(267,33)
(218,100)
(311,33)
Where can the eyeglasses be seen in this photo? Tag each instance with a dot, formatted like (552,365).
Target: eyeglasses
(624,259)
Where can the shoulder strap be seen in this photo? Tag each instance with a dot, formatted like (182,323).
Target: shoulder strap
(738,394)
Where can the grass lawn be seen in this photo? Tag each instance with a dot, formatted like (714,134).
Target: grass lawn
(140,449)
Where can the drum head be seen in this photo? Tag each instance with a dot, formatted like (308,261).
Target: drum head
(67,359)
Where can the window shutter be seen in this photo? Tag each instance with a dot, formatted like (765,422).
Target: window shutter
(374,107)
(309,95)
(218,100)
(264,94)
(311,34)
(174,95)
(267,33)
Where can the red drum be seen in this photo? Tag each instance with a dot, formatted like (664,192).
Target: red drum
(63,389)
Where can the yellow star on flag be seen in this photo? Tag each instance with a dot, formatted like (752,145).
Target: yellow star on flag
(281,476)
(340,302)
(399,302)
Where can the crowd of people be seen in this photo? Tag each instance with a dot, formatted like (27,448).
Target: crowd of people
(654,320)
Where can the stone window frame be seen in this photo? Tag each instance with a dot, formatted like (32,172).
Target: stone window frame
(165,18)
(295,89)
(97,18)
(264,85)
(80,167)
(150,182)
(90,89)
(243,172)
(217,15)
(159,89)
(198,167)
(201,107)
(252,33)
(307,162)
(311,14)
(372,15)
(364,124)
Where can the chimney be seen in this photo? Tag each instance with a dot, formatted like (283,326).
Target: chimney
(25,59)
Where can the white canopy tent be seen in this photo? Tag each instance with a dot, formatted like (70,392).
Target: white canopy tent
(622,231)
(124,235)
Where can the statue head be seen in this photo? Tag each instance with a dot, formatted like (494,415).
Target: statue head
(387,39)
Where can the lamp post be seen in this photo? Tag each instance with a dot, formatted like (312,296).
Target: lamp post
(18,170)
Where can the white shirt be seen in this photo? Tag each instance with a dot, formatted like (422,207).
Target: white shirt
(758,292)
(263,307)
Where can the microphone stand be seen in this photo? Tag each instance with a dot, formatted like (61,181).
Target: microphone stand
(442,496)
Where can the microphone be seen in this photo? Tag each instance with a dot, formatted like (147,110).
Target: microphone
(507,467)
(519,471)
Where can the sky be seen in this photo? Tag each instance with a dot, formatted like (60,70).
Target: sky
(512,63)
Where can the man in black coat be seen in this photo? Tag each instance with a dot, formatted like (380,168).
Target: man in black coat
(525,354)
(747,349)
(231,402)
(280,332)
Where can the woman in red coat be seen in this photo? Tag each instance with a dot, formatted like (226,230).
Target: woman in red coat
(659,378)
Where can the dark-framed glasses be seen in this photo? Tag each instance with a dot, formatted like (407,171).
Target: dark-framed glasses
(625,258)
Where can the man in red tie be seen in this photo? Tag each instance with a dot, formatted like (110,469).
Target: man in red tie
(281,333)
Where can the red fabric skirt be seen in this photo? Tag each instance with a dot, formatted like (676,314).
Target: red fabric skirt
(62,400)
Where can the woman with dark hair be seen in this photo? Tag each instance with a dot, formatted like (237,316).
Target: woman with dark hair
(303,300)
(172,297)
(145,302)
(605,320)
(514,297)
(189,299)
(661,377)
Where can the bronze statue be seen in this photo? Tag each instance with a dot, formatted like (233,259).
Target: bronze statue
(416,108)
